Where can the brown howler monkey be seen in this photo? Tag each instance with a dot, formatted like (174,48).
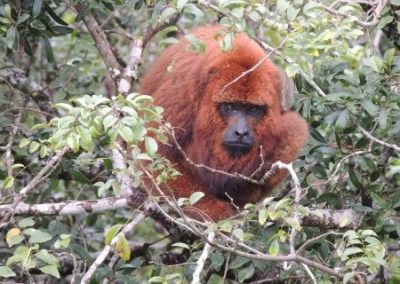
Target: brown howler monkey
(221,121)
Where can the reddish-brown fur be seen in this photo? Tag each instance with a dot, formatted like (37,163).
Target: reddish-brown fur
(190,95)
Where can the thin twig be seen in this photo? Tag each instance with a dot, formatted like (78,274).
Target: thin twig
(317,238)
(338,165)
(377,13)
(106,250)
(376,140)
(258,64)
(46,170)
(312,276)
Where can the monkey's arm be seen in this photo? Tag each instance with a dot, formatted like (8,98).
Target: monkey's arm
(292,138)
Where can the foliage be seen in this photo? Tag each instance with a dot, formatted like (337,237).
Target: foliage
(55,94)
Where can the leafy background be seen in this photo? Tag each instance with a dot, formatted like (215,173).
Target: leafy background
(64,126)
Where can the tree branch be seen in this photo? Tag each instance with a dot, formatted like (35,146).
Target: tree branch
(377,12)
(72,207)
(102,44)
(376,140)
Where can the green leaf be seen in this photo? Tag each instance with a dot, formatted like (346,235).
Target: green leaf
(384,21)
(26,222)
(262,216)
(12,38)
(24,142)
(126,133)
(293,223)
(55,17)
(181,245)
(51,270)
(48,50)
(292,13)
(151,145)
(6,272)
(190,8)
(63,241)
(389,56)
(197,45)
(226,3)
(195,197)
(268,200)
(37,8)
(34,146)
(274,248)
(65,122)
(63,106)
(292,69)
(344,119)
(8,182)
(61,30)
(317,135)
(238,233)
(109,121)
(111,233)
(368,232)
(227,226)
(38,237)
(246,273)
(383,118)
(167,13)
(43,151)
(7,11)
(347,278)
(123,249)
(180,4)
(139,132)
(86,140)
(239,261)
(17,166)
(369,106)
(14,237)
(351,251)
(73,142)
(310,5)
(46,257)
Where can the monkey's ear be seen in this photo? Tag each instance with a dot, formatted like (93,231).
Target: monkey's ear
(287,89)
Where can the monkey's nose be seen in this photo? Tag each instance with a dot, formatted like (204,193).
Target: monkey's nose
(242,132)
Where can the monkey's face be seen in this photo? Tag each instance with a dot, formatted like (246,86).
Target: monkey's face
(239,136)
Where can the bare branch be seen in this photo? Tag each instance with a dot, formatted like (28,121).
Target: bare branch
(44,171)
(130,71)
(120,168)
(377,13)
(202,259)
(71,207)
(339,164)
(102,44)
(317,238)
(376,140)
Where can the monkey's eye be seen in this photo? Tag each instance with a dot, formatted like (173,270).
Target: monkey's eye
(256,111)
(230,107)
(227,109)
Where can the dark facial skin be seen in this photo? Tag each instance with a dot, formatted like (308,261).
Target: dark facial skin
(239,136)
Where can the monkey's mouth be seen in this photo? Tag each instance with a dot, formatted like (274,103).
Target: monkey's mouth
(237,149)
